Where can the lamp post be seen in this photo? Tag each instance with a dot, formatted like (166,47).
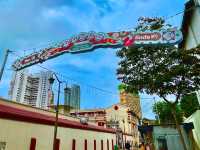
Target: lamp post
(123,135)
(51,81)
(4,62)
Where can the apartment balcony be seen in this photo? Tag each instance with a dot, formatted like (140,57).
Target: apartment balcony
(100,118)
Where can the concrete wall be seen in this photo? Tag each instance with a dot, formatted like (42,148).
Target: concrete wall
(171,136)
(119,115)
(192,38)
(17,136)
(20,123)
(196,131)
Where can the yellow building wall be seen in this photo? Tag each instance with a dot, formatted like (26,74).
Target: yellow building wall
(119,115)
(17,136)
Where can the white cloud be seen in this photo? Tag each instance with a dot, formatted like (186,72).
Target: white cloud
(25,25)
(52,13)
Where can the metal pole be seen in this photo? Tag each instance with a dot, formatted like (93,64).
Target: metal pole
(124,137)
(4,63)
(156,110)
(56,121)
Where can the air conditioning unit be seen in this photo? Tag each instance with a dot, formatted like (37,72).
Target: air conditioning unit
(84,120)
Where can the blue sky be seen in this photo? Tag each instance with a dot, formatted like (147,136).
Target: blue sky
(30,25)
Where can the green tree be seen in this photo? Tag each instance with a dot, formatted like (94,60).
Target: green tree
(163,110)
(161,70)
(189,104)
(123,87)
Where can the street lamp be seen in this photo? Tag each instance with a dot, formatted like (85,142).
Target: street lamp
(124,140)
(51,81)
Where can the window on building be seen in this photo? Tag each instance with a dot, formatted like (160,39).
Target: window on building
(162,144)
(112,144)
(95,145)
(57,144)
(101,144)
(100,123)
(107,144)
(85,145)
(73,144)
(33,144)
(2,145)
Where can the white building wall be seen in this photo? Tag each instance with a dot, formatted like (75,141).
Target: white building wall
(39,94)
(23,90)
(13,87)
(18,86)
(44,86)
(17,136)
(194,118)
(193,36)
(190,40)
(119,115)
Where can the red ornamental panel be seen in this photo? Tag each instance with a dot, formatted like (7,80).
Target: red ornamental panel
(95,145)
(112,145)
(73,144)
(101,144)
(85,145)
(57,146)
(33,144)
(107,144)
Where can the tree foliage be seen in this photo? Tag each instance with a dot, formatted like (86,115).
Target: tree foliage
(189,104)
(125,88)
(163,110)
(145,23)
(160,70)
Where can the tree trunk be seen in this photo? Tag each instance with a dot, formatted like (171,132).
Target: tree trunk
(178,127)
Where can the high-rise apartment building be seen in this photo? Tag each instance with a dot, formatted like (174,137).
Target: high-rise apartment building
(31,89)
(67,96)
(72,96)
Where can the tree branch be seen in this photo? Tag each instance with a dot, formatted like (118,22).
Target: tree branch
(166,99)
(177,98)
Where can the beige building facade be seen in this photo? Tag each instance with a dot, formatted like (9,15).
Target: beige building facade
(23,127)
(190,27)
(191,39)
(124,116)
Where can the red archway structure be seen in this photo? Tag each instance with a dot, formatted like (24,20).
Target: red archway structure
(92,40)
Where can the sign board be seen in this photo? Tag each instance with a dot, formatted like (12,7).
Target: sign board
(92,40)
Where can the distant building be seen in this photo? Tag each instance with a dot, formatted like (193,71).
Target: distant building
(147,122)
(124,116)
(67,96)
(72,96)
(167,137)
(30,89)
(62,109)
(132,100)
(117,116)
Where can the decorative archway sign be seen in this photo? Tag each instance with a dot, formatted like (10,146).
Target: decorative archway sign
(90,41)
